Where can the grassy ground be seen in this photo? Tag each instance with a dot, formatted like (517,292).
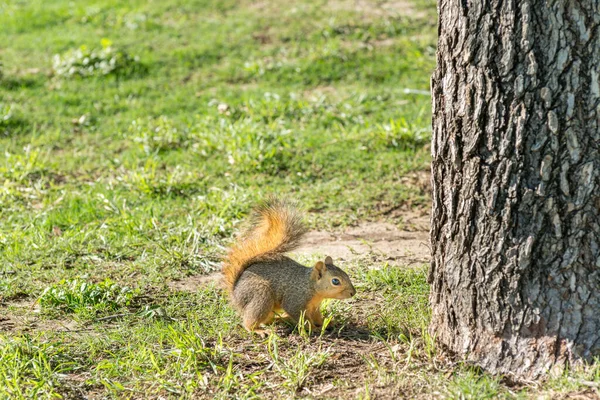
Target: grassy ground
(135,136)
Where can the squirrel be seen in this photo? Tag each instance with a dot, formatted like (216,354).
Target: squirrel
(262,282)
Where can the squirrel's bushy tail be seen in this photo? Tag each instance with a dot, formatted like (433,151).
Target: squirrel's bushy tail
(275,229)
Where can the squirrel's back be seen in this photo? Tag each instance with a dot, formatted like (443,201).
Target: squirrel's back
(275,229)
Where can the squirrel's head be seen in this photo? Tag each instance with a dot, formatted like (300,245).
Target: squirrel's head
(330,281)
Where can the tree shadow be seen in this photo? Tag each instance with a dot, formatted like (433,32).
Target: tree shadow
(344,331)
(351,332)
(14,83)
(13,126)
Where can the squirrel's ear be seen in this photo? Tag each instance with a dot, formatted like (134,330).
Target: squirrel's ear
(328,261)
(319,270)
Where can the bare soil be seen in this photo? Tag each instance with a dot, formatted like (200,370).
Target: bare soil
(382,241)
(24,316)
(191,283)
(366,9)
(384,8)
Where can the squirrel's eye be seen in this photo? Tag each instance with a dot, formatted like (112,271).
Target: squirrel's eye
(335,281)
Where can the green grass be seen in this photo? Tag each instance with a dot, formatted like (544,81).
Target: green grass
(149,173)
(80,296)
(134,138)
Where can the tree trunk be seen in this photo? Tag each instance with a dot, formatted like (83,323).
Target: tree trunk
(515,232)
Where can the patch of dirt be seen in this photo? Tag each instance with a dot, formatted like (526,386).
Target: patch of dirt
(15,315)
(23,316)
(191,283)
(421,180)
(367,9)
(379,9)
(381,240)
(314,93)
(53,325)
(6,323)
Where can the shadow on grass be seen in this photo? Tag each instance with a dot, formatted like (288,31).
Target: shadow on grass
(13,126)
(347,332)
(352,332)
(14,83)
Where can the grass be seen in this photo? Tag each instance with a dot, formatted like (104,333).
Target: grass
(81,296)
(135,136)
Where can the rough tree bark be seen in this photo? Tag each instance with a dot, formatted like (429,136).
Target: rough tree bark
(515,233)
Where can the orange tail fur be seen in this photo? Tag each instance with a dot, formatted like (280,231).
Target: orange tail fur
(275,229)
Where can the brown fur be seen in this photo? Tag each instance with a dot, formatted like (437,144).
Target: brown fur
(275,229)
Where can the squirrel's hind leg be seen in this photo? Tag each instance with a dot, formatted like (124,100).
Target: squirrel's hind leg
(255,301)
(259,311)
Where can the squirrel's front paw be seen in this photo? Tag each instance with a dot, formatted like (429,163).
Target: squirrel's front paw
(263,333)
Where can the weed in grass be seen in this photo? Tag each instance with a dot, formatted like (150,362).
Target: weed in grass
(247,145)
(399,134)
(80,296)
(105,61)
(158,135)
